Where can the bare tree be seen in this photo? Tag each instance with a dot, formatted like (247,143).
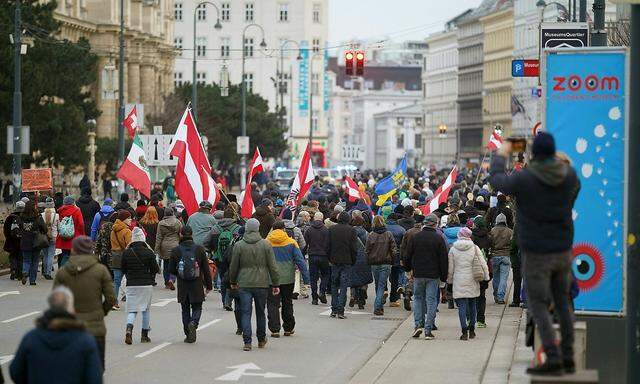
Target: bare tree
(619,33)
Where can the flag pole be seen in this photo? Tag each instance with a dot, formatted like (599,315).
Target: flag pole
(479,170)
(229,203)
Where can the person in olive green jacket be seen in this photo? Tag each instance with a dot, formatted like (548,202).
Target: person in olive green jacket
(253,269)
(90,282)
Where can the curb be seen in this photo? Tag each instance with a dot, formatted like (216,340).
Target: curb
(4,272)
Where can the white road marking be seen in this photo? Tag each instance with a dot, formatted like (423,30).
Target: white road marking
(328,312)
(5,359)
(154,349)
(207,325)
(241,370)
(3,294)
(20,317)
(164,302)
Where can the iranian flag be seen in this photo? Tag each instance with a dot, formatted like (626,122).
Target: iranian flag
(302,182)
(134,170)
(442,193)
(352,190)
(255,167)
(131,122)
(495,141)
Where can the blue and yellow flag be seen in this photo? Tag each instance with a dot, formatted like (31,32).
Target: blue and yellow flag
(388,186)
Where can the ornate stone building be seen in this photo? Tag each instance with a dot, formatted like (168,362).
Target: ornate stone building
(149,57)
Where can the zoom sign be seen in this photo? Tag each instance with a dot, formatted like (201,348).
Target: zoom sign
(564,35)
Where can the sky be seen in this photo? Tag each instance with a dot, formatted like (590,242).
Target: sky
(398,19)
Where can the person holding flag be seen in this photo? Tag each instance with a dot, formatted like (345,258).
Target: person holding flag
(388,186)
(302,182)
(256,166)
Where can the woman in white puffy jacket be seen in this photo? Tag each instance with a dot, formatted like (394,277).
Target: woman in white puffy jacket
(465,288)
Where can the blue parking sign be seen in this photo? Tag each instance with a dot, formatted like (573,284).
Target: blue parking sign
(517,68)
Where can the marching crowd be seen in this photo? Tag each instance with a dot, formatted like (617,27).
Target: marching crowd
(329,245)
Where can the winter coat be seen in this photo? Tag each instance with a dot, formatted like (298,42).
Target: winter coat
(266,219)
(78,225)
(58,351)
(226,224)
(545,191)
(89,207)
(12,230)
(492,214)
(120,239)
(151,231)
(290,227)
(121,205)
(360,273)
(31,227)
(167,236)
(460,272)
(317,239)
(288,257)
(381,247)
(191,290)
(407,223)
(201,223)
(398,233)
(103,243)
(342,244)
(139,264)
(51,220)
(405,240)
(426,255)
(451,233)
(500,240)
(98,219)
(92,289)
(253,264)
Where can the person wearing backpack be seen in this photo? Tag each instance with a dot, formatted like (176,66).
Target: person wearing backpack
(120,239)
(12,230)
(167,238)
(51,221)
(33,228)
(380,250)
(190,264)
(101,217)
(219,241)
(299,289)
(71,226)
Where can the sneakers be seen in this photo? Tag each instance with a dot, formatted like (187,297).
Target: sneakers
(191,333)
(295,296)
(407,303)
(314,302)
(323,298)
(472,334)
(400,290)
(247,347)
(228,308)
(417,332)
(501,302)
(429,336)
(116,307)
(481,324)
(24,280)
(48,277)
(341,316)
(549,368)
(434,328)
(394,304)
(239,332)
(289,333)
(32,283)
(450,306)
(378,312)
(352,302)
(464,336)
(360,306)
(333,314)
(275,335)
(514,305)
(262,343)
(171,285)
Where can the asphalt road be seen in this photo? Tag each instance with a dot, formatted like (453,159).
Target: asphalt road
(323,350)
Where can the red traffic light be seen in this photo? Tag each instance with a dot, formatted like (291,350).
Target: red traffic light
(359,63)
(348,63)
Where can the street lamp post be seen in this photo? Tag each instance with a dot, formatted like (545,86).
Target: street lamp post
(280,86)
(17,101)
(194,85)
(311,90)
(243,90)
(91,169)
(121,95)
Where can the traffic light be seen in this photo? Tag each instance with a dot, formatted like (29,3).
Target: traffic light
(348,63)
(359,63)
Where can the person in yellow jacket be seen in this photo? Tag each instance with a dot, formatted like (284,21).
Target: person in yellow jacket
(120,239)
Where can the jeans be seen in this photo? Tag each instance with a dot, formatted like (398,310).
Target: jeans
(425,299)
(63,257)
(517,281)
(30,264)
(501,267)
(100,340)
(146,318)
(191,313)
(15,258)
(117,281)
(319,269)
(397,279)
(547,277)
(48,254)
(467,310)
(274,303)
(339,286)
(380,276)
(166,274)
(481,303)
(249,296)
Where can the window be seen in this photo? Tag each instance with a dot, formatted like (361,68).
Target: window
(317,8)
(346,105)
(348,84)
(201,78)
(201,13)
(284,83)
(226,11)
(248,81)
(418,141)
(177,79)
(400,141)
(418,121)
(177,11)
(284,12)
(248,12)
(314,120)
(177,42)
(248,46)
(400,121)
(225,47)
(315,84)
(346,122)
(201,47)
(315,44)
(368,84)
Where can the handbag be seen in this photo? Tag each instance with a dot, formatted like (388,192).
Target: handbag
(40,241)
(476,267)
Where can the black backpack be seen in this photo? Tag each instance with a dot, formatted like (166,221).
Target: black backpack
(188,266)
(290,233)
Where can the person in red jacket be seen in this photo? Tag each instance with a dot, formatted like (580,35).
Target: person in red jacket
(67,209)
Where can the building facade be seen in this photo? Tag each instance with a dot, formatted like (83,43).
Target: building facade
(148,66)
(497,82)
(399,132)
(304,22)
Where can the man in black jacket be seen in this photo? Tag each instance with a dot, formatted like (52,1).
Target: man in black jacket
(89,208)
(426,256)
(342,255)
(191,293)
(545,191)
(317,239)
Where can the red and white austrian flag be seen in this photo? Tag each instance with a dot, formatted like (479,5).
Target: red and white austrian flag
(352,190)
(442,193)
(131,122)
(302,182)
(495,141)
(256,166)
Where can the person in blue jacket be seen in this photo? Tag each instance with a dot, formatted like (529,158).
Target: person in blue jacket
(100,217)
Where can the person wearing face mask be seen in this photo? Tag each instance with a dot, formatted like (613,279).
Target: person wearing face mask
(120,239)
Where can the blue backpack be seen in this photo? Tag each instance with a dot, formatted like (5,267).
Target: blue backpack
(188,266)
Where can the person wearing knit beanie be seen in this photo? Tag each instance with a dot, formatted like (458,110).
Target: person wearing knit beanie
(123,215)
(69,200)
(464,234)
(82,245)
(138,235)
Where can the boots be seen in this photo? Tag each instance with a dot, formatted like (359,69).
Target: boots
(450,306)
(128,336)
(144,338)
(465,335)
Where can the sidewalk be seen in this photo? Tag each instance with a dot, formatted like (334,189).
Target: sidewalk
(486,359)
